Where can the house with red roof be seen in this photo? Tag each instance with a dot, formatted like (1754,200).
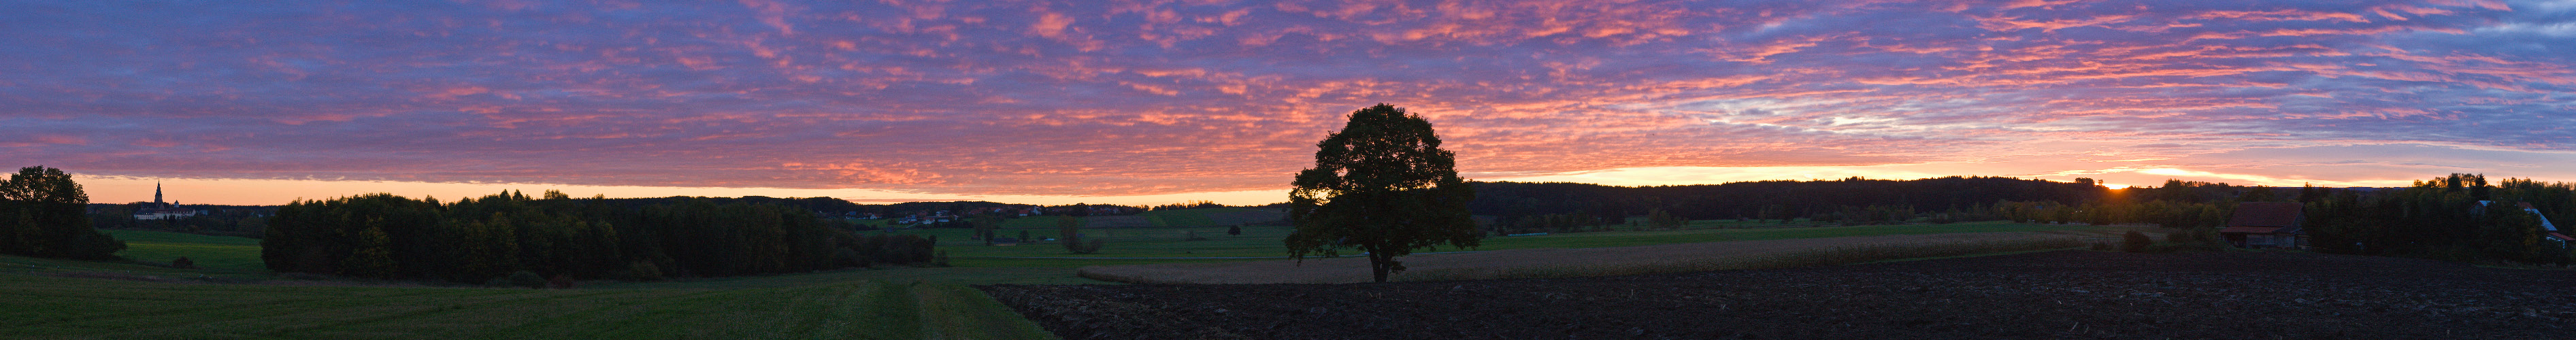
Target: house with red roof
(2266,225)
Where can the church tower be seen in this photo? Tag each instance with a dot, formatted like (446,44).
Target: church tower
(156,195)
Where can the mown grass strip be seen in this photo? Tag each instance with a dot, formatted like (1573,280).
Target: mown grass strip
(959,312)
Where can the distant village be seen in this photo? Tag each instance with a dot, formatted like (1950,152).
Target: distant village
(946,216)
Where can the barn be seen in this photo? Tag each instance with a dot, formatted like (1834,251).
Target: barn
(2266,225)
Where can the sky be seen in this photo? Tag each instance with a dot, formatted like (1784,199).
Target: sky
(1150,102)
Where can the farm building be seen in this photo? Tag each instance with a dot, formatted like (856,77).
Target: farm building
(2266,225)
(2552,229)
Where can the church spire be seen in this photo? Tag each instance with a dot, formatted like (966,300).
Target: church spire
(156,193)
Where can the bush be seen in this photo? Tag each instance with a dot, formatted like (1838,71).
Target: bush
(183,263)
(527,279)
(1080,247)
(849,257)
(2135,241)
(643,271)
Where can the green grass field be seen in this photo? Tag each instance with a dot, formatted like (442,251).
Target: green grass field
(883,303)
(211,252)
(1210,217)
(897,303)
(115,309)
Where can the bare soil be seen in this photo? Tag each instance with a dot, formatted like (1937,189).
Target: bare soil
(2046,295)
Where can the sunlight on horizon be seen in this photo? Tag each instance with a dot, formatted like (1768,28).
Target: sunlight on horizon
(122,189)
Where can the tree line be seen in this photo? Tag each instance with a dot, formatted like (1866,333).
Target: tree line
(479,239)
(2460,217)
(1851,200)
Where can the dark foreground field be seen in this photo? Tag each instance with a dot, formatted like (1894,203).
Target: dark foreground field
(2048,295)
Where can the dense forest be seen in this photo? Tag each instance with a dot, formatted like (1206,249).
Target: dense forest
(480,239)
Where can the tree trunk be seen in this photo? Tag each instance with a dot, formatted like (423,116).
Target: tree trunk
(1379,262)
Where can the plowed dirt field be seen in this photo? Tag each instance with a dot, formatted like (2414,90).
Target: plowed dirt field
(2047,295)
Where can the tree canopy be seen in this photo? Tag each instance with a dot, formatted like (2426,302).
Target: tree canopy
(1383,186)
(43,213)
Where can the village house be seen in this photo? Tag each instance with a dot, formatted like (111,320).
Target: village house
(2266,225)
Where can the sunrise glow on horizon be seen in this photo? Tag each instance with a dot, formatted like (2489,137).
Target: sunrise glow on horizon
(1140,102)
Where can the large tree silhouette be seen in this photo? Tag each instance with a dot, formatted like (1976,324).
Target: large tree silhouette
(1383,186)
(44,214)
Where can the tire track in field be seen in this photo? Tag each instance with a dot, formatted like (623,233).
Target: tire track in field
(596,313)
(194,310)
(425,310)
(946,307)
(820,320)
(842,310)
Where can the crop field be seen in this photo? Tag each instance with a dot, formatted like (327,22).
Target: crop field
(1554,262)
(2067,294)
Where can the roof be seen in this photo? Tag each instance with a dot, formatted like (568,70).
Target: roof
(2544,219)
(2561,237)
(2265,214)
